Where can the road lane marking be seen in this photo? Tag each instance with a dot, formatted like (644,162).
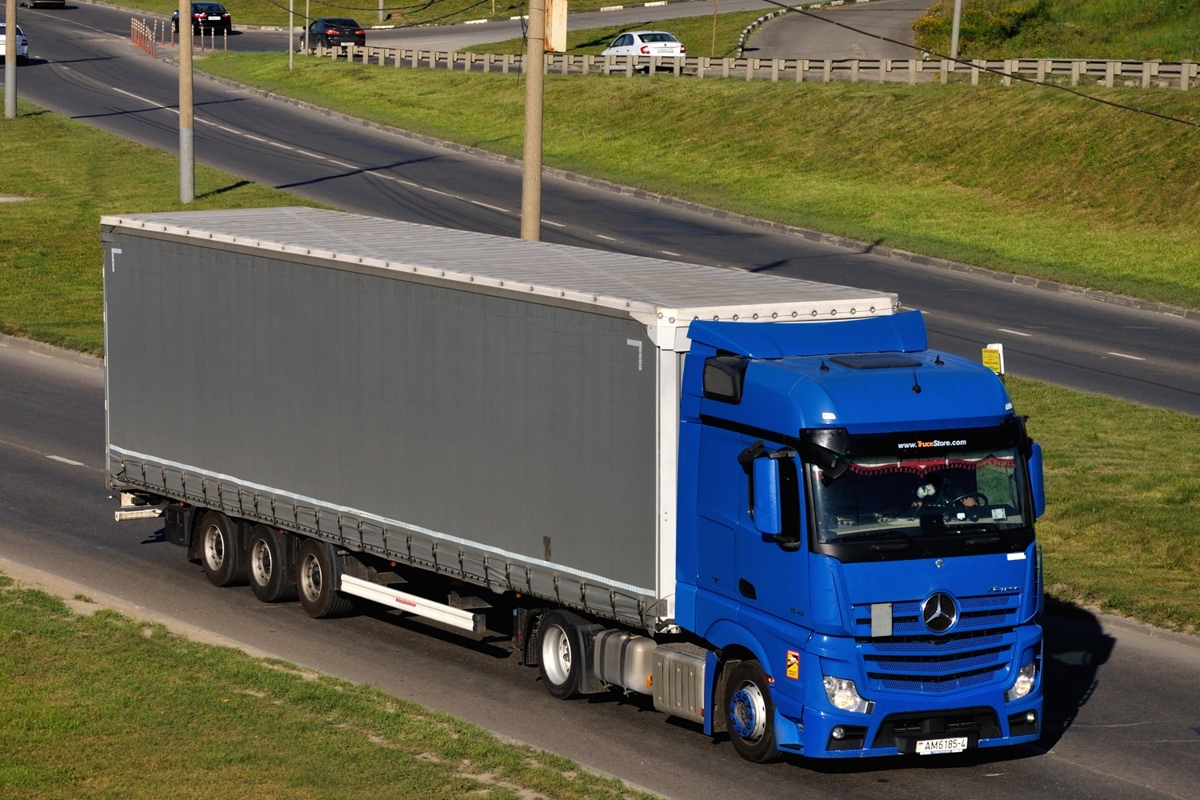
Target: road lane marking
(1124,355)
(304,153)
(1014,333)
(66,461)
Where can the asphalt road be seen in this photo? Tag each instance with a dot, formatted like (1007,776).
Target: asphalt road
(1123,710)
(848,31)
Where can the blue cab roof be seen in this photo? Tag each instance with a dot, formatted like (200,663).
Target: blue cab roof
(866,375)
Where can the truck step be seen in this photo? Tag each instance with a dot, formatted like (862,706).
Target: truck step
(418,606)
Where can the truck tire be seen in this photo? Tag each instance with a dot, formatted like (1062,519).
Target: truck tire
(561,656)
(220,550)
(750,713)
(269,570)
(315,579)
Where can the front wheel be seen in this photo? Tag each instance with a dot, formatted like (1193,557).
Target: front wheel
(314,582)
(750,713)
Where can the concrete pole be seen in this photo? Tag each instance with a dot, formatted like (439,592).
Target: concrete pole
(531,183)
(10,59)
(187,153)
(954,26)
(291,31)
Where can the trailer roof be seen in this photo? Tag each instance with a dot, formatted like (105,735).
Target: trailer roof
(657,291)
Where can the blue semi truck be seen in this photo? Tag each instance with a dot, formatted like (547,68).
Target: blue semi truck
(764,503)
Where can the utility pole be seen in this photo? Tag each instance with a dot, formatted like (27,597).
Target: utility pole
(531,181)
(187,154)
(10,59)
(954,26)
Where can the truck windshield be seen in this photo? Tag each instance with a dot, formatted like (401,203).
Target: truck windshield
(913,501)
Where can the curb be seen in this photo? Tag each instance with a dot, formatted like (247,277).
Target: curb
(85,600)
(1069,611)
(42,349)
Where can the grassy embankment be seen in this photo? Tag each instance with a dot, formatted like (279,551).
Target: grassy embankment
(1134,29)
(100,706)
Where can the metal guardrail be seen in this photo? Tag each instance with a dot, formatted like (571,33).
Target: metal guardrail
(1105,72)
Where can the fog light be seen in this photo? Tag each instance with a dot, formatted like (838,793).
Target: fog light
(1031,717)
(1024,682)
(838,732)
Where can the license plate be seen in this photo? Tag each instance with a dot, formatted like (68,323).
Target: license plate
(933,747)
(214,19)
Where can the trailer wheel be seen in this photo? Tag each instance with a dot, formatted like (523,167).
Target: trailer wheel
(314,582)
(220,552)
(750,713)
(561,658)
(271,577)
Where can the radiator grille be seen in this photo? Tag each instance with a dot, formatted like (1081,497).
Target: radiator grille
(978,649)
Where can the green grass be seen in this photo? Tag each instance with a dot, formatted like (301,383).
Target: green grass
(1122,500)
(49,244)
(1127,29)
(1022,179)
(100,706)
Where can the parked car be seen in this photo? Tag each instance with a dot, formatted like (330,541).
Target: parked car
(22,45)
(334,32)
(646,44)
(207,16)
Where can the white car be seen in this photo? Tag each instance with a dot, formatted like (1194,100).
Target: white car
(22,45)
(646,45)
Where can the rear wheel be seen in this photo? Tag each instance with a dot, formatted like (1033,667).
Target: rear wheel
(560,660)
(314,582)
(220,553)
(750,713)
(269,571)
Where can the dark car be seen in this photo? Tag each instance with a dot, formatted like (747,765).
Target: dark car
(207,16)
(335,32)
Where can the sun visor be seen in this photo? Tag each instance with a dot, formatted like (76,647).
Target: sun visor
(904,332)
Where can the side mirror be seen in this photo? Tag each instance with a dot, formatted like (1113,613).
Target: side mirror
(1036,482)
(768,516)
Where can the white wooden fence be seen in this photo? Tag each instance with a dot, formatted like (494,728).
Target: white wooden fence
(1146,74)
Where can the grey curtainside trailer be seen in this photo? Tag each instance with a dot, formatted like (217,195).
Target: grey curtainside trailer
(498,411)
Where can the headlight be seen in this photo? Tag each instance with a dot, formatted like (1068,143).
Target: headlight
(1024,685)
(843,694)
